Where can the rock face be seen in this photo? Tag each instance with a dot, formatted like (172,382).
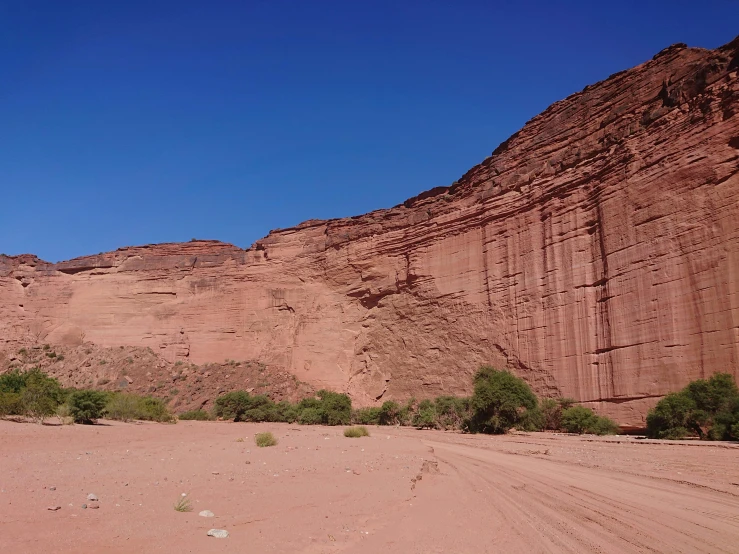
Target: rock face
(595,253)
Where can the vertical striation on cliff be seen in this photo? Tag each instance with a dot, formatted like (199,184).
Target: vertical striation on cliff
(595,253)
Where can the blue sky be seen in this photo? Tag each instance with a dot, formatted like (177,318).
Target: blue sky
(138,122)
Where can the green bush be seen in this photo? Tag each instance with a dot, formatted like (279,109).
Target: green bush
(310,416)
(122,407)
(285,412)
(128,407)
(604,426)
(425,415)
(389,413)
(551,412)
(195,415)
(87,406)
(13,381)
(708,409)
(367,416)
(265,439)
(10,404)
(405,414)
(356,432)
(232,405)
(336,408)
(451,412)
(579,419)
(41,396)
(500,401)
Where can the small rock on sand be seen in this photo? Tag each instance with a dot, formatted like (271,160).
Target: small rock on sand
(54,508)
(218,533)
(92,497)
(206,513)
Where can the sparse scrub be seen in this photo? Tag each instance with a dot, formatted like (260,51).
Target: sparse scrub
(64,413)
(356,432)
(183,505)
(265,439)
(129,407)
(195,415)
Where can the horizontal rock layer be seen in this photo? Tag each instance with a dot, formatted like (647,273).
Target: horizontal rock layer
(595,253)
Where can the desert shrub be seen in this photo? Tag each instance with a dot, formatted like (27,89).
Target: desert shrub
(578,419)
(356,432)
(500,401)
(41,396)
(424,416)
(406,412)
(183,505)
(367,416)
(10,404)
(241,406)
(259,408)
(389,413)
(531,420)
(285,412)
(153,409)
(451,411)
(265,439)
(122,407)
(310,416)
(604,426)
(128,407)
(551,412)
(232,405)
(87,406)
(13,381)
(336,408)
(706,408)
(64,414)
(195,415)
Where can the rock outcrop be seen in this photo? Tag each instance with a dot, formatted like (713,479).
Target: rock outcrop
(595,253)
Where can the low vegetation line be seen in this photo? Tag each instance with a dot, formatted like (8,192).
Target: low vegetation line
(707,409)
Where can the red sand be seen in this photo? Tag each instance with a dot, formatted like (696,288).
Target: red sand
(317,491)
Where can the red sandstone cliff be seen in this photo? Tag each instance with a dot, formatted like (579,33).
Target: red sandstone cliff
(595,253)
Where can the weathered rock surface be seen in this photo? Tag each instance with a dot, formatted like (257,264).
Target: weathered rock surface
(595,253)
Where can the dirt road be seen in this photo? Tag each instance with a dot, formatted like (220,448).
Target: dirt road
(399,490)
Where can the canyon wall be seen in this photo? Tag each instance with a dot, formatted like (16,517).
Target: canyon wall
(595,253)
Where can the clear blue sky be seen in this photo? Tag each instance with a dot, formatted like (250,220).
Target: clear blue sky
(131,122)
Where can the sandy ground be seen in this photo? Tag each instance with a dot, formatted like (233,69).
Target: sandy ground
(317,491)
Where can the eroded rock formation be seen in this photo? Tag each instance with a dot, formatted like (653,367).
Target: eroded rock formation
(595,253)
